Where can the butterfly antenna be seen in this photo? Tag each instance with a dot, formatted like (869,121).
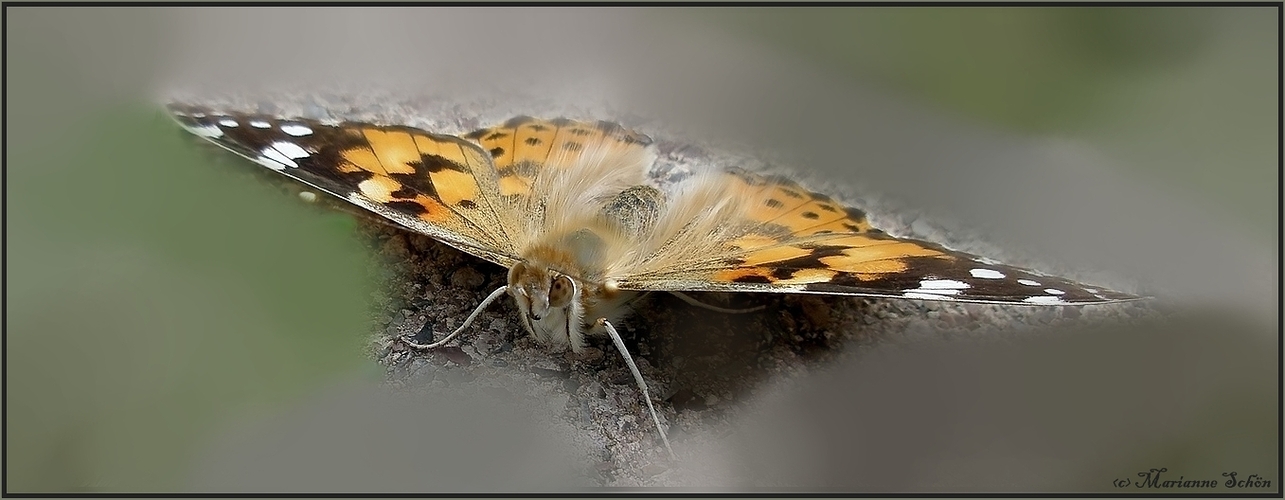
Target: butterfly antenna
(688,299)
(642,385)
(489,299)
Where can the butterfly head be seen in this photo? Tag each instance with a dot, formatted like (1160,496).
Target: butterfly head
(549,302)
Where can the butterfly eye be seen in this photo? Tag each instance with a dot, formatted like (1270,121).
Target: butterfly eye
(561,291)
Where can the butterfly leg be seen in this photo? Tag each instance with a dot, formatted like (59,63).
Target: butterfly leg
(489,299)
(690,300)
(642,385)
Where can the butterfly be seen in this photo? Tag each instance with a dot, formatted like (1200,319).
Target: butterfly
(568,207)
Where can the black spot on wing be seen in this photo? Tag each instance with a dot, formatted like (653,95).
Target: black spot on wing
(752,278)
(434,163)
(404,193)
(412,184)
(783,273)
(532,141)
(407,207)
(496,152)
(784,269)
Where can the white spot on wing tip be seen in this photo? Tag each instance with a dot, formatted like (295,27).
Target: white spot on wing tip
(296,129)
(942,284)
(259,124)
(1053,291)
(1044,300)
(936,289)
(228,122)
(274,155)
(989,274)
(290,149)
(205,130)
(1029,282)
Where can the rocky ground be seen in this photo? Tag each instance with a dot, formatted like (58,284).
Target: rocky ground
(705,369)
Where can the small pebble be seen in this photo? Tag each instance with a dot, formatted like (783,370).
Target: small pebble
(591,355)
(545,372)
(467,277)
(817,312)
(456,355)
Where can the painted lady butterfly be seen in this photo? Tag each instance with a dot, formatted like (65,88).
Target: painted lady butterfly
(567,207)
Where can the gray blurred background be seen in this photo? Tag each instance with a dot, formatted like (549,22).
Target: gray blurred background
(154,302)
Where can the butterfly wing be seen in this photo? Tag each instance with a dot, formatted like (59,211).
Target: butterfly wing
(788,239)
(438,185)
(524,146)
(551,170)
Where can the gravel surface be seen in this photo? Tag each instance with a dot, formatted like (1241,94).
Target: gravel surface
(704,368)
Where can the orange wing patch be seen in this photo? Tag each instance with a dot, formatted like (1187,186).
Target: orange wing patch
(781,202)
(795,240)
(449,178)
(523,146)
(439,185)
(861,258)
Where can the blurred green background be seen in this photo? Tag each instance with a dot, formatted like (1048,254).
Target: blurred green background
(1187,96)
(152,298)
